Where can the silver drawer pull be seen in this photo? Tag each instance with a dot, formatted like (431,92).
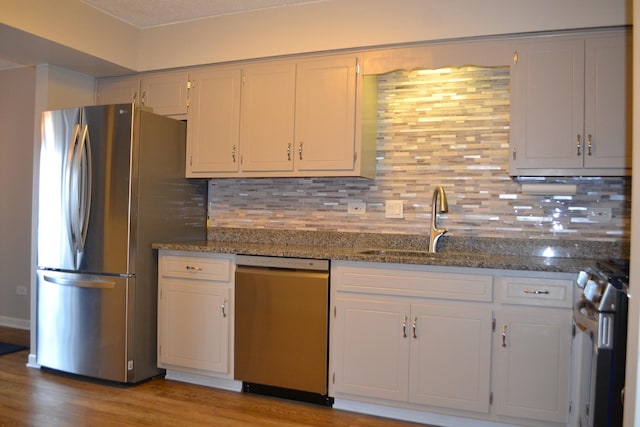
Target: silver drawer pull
(414,326)
(191,268)
(536,292)
(404,327)
(224,308)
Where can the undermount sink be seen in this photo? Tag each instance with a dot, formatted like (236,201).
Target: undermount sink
(396,253)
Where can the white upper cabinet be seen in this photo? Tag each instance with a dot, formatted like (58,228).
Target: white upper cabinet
(570,106)
(164,92)
(267,119)
(278,119)
(118,90)
(213,121)
(325,115)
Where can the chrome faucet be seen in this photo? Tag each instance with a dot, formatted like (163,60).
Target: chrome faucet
(436,208)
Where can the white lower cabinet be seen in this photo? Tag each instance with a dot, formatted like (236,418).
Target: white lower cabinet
(194,313)
(532,349)
(531,360)
(427,354)
(436,341)
(417,350)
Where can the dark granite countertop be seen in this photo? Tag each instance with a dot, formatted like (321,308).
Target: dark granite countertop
(493,253)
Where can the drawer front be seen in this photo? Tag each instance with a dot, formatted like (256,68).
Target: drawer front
(424,284)
(195,267)
(536,291)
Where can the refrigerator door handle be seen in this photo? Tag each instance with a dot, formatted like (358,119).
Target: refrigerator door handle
(86,184)
(71,184)
(86,282)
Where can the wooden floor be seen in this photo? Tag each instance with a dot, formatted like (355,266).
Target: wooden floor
(34,398)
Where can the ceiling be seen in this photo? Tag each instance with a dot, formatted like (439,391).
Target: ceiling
(153,13)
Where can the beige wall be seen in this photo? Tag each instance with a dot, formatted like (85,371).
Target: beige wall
(311,27)
(17,108)
(337,24)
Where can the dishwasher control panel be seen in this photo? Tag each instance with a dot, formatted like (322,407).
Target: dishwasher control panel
(283,262)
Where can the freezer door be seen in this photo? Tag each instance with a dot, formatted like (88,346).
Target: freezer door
(82,324)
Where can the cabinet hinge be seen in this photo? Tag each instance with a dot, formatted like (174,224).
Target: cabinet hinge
(335,312)
(514,154)
(189,84)
(357,67)
(491,398)
(333,378)
(515,57)
(493,324)
(573,330)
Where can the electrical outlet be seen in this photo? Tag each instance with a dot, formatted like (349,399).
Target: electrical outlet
(599,214)
(356,208)
(21,290)
(393,209)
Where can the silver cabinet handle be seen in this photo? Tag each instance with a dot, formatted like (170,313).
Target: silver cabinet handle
(192,268)
(535,292)
(233,153)
(224,308)
(414,325)
(144,97)
(578,144)
(404,327)
(504,335)
(589,145)
(289,151)
(300,150)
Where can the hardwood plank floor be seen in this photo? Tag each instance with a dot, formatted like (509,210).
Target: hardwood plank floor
(35,398)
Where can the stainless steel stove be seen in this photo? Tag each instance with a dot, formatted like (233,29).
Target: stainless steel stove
(601,315)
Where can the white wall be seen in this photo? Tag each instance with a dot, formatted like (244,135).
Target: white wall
(632,396)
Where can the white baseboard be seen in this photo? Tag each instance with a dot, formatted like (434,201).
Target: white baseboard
(412,415)
(222,383)
(12,322)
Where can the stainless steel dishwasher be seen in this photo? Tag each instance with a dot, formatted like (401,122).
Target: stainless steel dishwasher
(281,327)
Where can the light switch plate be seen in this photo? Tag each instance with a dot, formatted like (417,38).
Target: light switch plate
(393,209)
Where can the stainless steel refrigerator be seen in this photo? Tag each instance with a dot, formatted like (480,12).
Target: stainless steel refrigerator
(111,183)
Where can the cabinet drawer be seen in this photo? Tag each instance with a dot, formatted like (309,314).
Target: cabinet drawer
(536,291)
(415,283)
(195,267)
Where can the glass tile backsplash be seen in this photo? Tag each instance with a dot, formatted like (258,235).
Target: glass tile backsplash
(446,127)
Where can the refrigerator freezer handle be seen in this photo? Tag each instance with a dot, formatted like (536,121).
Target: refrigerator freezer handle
(80,283)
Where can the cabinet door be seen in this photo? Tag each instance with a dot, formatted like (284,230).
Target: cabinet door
(118,90)
(547,105)
(193,326)
(213,122)
(266,132)
(325,114)
(371,348)
(165,93)
(608,102)
(531,364)
(451,356)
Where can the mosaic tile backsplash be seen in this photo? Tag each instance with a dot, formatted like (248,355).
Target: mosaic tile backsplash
(446,127)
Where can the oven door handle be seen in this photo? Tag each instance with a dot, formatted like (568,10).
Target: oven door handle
(583,322)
